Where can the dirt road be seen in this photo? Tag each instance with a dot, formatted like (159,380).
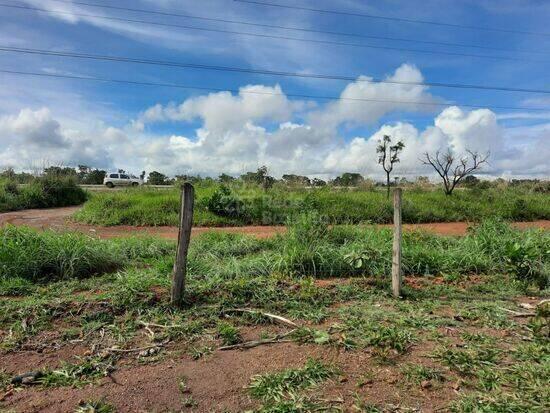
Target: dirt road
(58,218)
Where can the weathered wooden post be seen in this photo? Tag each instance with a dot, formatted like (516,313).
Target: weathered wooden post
(184,236)
(397,234)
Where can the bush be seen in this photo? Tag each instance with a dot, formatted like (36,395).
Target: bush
(48,192)
(8,186)
(224,203)
(44,192)
(521,211)
(526,263)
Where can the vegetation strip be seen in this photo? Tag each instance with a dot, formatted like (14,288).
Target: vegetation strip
(455,334)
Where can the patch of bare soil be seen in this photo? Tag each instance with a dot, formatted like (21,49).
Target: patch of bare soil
(23,361)
(58,218)
(218,382)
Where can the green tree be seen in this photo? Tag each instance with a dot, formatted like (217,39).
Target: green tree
(471,181)
(348,179)
(225,179)
(157,178)
(89,176)
(291,179)
(58,171)
(388,155)
(94,177)
(318,182)
(260,177)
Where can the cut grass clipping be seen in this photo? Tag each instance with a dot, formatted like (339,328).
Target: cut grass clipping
(279,386)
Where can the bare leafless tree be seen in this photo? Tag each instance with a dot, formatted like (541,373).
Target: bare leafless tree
(388,155)
(452,169)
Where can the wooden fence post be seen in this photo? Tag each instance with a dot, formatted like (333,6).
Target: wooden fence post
(184,236)
(396,273)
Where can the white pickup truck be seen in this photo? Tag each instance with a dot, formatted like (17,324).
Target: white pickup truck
(115,179)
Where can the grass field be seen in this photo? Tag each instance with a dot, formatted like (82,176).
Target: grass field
(250,205)
(452,343)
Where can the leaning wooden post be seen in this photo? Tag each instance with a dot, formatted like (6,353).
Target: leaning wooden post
(184,236)
(397,234)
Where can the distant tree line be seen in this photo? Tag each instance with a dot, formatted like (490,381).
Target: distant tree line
(453,170)
(82,174)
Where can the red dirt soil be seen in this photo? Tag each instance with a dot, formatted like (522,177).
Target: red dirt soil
(58,219)
(218,382)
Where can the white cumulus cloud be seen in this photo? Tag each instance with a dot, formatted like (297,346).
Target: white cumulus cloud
(262,126)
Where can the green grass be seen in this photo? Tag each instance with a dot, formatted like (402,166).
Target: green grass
(466,360)
(28,255)
(281,385)
(229,334)
(417,373)
(43,192)
(94,406)
(309,249)
(250,205)
(498,360)
(90,370)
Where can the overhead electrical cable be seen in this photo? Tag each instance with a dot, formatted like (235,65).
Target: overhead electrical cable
(391,18)
(188,65)
(295,28)
(240,91)
(269,36)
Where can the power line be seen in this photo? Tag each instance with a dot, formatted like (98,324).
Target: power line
(295,28)
(399,19)
(237,91)
(125,59)
(268,36)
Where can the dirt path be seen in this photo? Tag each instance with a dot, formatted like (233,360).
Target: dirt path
(58,218)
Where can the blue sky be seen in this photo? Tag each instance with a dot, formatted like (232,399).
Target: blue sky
(112,125)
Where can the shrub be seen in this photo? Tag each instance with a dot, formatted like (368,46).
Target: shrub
(224,203)
(8,186)
(44,192)
(521,211)
(526,263)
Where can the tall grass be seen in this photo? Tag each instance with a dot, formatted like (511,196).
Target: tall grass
(32,255)
(312,249)
(252,269)
(146,207)
(246,205)
(26,253)
(42,192)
